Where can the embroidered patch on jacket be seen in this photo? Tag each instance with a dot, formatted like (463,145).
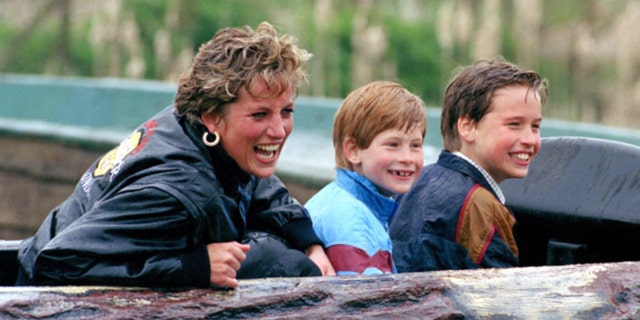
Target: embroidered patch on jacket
(112,160)
(117,154)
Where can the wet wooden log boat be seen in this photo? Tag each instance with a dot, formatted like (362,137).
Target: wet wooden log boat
(572,216)
(593,291)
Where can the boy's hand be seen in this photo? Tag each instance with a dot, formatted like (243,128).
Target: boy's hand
(316,254)
(225,259)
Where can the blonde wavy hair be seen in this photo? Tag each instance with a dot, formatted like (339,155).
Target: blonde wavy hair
(233,59)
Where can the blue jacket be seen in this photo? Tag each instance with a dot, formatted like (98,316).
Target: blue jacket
(452,219)
(143,213)
(351,217)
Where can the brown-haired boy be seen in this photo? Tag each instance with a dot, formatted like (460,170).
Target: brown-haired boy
(378,134)
(454,217)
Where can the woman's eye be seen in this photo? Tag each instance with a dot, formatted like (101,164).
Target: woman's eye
(259,115)
(287,111)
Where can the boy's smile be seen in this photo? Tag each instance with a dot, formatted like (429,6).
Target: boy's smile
(392,161)
(507,138)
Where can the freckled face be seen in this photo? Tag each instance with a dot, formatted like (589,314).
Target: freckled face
(507,138)
(253,130)
(392,161)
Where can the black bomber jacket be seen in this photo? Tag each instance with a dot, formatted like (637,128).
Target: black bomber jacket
(143,213)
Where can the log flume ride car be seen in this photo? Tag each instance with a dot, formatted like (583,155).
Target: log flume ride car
(578,215)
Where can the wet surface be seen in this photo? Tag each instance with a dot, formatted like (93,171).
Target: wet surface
(580,203)
(609,291)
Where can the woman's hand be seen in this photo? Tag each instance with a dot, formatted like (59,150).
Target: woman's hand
(225,259)
(316,253)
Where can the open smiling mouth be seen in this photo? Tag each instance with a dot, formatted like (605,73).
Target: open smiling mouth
(267,152)
(401,173)
(521,156)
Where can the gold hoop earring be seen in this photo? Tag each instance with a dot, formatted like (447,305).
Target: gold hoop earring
(205,139)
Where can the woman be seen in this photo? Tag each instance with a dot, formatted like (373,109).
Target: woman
(170,205)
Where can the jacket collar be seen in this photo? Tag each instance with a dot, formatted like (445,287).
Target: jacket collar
(365,191)
(456,163)
(226,169)
(494,185)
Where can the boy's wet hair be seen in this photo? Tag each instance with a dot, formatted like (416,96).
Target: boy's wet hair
(374,108)
(471,91)
(233,59)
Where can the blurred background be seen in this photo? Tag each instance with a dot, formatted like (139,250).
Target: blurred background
(589,50)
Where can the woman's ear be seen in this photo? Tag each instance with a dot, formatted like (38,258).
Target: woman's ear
(351,151)
(466,129)
(210,121)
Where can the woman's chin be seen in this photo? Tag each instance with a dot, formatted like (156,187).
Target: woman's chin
(263,172)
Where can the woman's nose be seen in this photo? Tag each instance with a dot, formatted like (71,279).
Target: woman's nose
(277,128)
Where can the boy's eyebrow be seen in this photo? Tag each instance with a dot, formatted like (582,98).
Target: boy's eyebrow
(519,117)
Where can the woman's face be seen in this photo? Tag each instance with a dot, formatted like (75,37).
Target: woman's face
(253,130)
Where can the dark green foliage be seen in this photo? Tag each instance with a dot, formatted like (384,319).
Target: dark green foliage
(420,63)
(416,50)
(31,54)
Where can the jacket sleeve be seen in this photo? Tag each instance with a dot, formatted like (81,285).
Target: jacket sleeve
(485,229)
(139,237)
(355,245)
(274,210)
